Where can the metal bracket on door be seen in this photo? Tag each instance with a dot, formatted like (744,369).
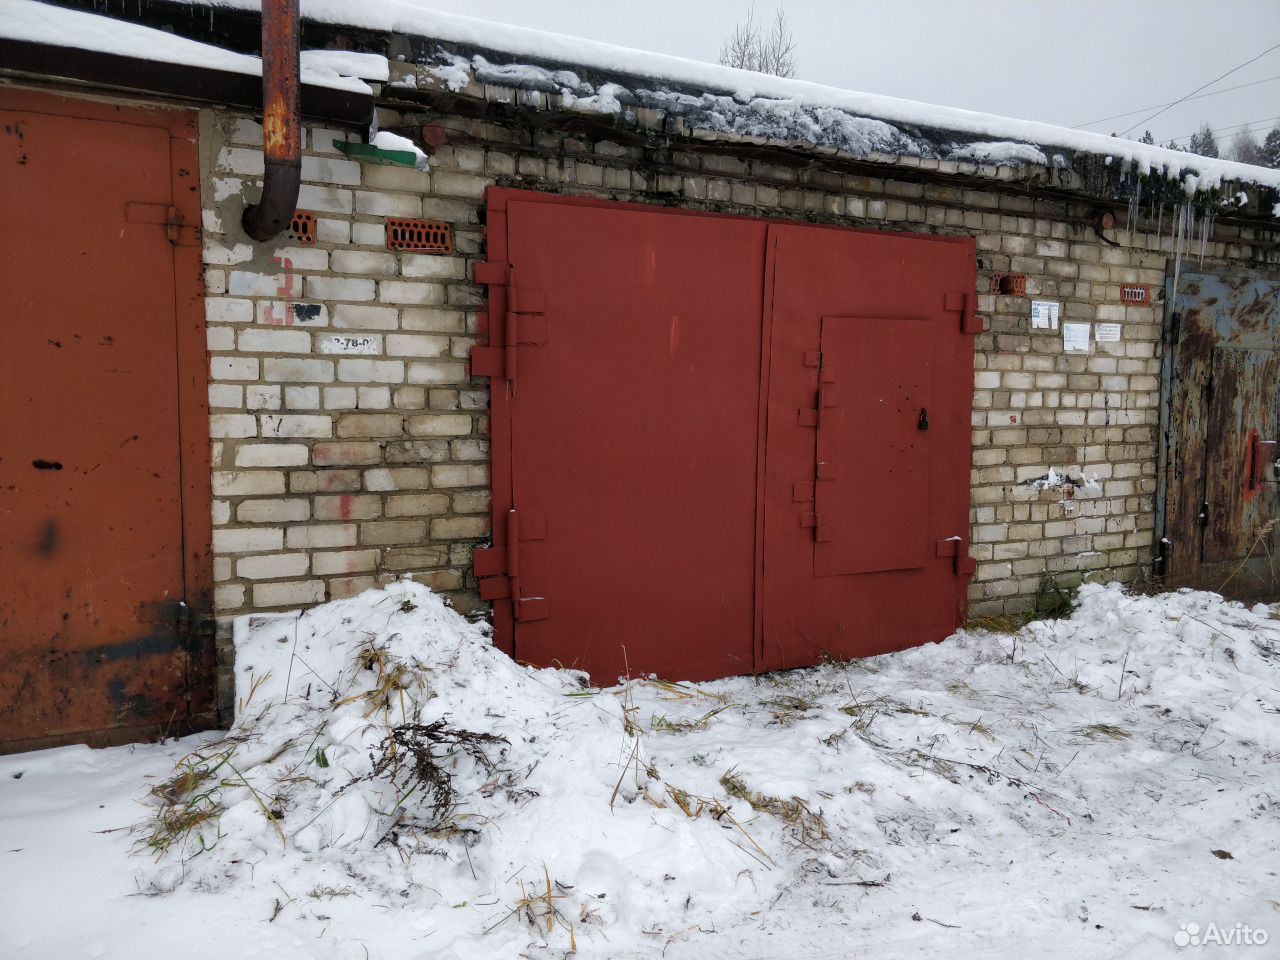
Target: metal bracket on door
(498,568)
(163,215)
(827,400)
(961,302)
(1265,457)
(524,324)
(821,532)
(958,549)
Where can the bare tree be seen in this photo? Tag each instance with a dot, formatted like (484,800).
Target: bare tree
(1245,147)
(750,48)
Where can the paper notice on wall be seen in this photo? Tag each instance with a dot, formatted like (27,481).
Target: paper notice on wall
(1108,333)
(1044,315)
(1075,337)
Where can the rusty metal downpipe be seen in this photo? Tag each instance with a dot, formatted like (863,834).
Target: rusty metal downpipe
(281,122)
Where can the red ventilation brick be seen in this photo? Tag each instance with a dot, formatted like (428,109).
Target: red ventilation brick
(1135,295)
(1009,284)
(423,236)
(302,228)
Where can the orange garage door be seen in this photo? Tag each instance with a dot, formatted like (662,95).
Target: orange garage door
(104,503)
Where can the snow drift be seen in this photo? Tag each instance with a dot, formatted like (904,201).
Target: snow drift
(1074,785)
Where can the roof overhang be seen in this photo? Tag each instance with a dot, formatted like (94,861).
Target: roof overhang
(202,85)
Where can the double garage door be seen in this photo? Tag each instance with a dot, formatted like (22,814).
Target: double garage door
(722,445)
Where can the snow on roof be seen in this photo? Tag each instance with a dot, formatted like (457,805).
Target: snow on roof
(34,22)
(739,101)
(712,100)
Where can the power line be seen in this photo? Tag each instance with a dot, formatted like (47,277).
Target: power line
(1201,87)
(1211,93)
(1218,130)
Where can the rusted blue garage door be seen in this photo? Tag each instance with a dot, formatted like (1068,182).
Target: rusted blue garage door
(1221,504)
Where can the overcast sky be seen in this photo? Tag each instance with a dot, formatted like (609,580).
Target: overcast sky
(1066,61)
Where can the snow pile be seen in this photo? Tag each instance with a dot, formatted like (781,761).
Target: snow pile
(1062,480)
(1081,788)
(357,723)
(344,63)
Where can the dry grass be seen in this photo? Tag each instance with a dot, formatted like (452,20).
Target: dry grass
(1053,602)
(864,712)
(188,800)
(539,910)
(1260,541)
(809,826)
(392,678)
(1104,731)
(996,623)
(978,727)
(660,723)
(683,691)
(416,759)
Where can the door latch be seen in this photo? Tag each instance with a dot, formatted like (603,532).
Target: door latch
(1265,462)
(923,422)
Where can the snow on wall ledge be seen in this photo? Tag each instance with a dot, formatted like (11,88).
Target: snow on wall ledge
(724,100)
(41,23)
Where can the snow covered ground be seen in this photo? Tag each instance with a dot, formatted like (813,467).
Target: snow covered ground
(395,788)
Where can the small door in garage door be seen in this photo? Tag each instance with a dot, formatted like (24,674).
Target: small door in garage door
(873,444)
(103,446)
(721,445)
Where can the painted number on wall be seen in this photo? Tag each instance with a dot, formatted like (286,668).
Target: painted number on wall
(346,344)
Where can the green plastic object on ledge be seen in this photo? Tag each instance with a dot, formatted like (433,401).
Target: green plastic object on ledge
(371,154)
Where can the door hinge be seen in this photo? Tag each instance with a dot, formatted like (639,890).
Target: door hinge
(827,400)
(524,323)
(958,301)
(821,531)
(498,568)
(958,549)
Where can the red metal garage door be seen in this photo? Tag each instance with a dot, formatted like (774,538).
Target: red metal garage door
(721,445)
(103,559)
(867,482)
(632,420)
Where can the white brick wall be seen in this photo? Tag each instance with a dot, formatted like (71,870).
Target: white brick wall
(338,466)
(321,486)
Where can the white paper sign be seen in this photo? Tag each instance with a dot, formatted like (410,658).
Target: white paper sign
(1108,333)
(1075,337)
(1044,315)
(349,344)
